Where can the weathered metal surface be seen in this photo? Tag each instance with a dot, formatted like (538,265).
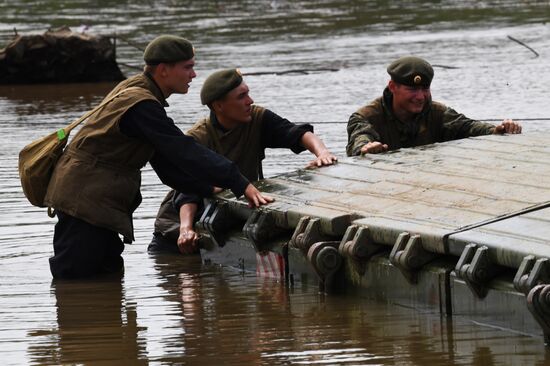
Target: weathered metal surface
(299,268)
(502,307)
(409,255)
(455,227)
(260,228)
(510,240)
(216,222)
(382,281)
(239,252)
(531,272)
(538,302)
(357,247)
(434,191)
(326,261)
(476,269)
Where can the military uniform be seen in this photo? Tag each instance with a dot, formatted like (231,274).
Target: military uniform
(95,185)
(435,123)
(244,145)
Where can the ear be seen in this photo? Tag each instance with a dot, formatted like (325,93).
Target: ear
(217,106)
(392,85)
(161,70)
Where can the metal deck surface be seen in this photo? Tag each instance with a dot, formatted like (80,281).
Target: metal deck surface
(450,194)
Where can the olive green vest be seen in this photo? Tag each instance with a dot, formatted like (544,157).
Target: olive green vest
(98,177)
(242,145)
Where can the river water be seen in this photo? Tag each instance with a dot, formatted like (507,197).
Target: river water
(173,310)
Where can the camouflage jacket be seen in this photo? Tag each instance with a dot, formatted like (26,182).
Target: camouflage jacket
(436,123)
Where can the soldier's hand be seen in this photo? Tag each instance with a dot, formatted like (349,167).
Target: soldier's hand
(187,241)
(508,126)
(374,147)
(217,190)
(255,198)
(324,158)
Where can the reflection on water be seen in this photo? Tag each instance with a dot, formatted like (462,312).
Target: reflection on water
(170,310)
(95,323)
(205,316)
(28,100)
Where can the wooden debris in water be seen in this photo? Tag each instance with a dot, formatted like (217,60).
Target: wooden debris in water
(59,56)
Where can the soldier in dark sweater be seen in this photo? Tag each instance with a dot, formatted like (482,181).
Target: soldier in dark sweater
(95,186)
(241,132)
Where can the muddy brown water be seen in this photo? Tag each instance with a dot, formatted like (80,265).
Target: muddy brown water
(173,310)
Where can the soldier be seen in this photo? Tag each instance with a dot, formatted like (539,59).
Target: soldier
(95,186)
(406,116)
(241,132)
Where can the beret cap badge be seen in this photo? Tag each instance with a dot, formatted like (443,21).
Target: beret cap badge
(411,71)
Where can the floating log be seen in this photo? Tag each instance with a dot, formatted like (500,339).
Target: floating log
(59,56)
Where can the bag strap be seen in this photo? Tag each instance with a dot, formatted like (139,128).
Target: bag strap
(64,132)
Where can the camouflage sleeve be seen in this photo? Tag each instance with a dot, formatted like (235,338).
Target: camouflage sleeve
(457,126)
(360,132)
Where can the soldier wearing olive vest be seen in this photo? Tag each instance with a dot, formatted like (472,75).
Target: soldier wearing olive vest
(241,132)
(406,116)
(95,186)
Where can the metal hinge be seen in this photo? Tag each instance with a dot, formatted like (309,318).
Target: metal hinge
(358,247)
(215,222)
(326,261)
(260,228)
(530,273)
(538,303)
(307,232)
(476,269)
(408,255)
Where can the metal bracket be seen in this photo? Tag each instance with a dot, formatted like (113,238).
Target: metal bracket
(215,222)
(307,232)
(357,246)
(326,261)
(476,269)
(538,303)
(531,272)
(260,228)
(408,255)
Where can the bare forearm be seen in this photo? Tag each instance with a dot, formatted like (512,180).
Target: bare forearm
(187,215)
(313,143)
(322,155)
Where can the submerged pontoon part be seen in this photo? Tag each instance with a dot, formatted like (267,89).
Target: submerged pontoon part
(460,227)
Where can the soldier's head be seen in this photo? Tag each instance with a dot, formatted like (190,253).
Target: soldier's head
(410,83)
(227,95)
(171,61)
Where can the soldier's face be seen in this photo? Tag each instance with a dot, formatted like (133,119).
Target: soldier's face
(408,98)
(179,75)
(236,106)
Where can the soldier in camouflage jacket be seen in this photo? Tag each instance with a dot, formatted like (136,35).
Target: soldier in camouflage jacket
(406,116)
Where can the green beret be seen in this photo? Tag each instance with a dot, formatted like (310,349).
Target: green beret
(218,84)
(168,49)
(411,71)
